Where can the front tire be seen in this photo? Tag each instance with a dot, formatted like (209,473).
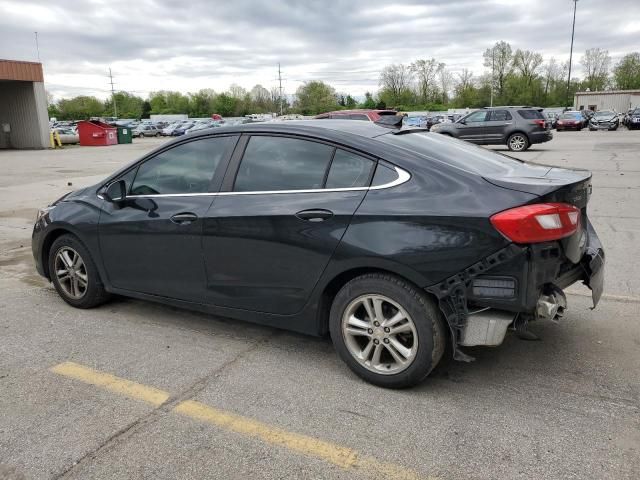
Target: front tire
(387,331)
(74,274)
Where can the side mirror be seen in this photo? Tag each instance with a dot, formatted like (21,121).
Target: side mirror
(115,192)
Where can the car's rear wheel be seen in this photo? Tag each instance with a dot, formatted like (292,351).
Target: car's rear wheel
(387,331)
(518,142)
(74,274)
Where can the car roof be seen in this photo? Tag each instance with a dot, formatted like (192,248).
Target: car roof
(325,128)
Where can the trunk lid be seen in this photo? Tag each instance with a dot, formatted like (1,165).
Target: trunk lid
(552,184)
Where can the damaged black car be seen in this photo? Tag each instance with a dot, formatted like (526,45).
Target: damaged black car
(397,242)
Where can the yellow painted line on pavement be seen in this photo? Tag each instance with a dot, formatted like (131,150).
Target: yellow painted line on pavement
(111,382)
(343,457)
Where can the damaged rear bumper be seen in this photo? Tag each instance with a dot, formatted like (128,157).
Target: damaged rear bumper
(517,282)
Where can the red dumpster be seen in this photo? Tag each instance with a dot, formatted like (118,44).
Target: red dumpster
(94,133)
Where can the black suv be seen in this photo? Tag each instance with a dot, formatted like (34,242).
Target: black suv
(516,127)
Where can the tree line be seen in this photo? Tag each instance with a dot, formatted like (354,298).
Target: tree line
(510,77)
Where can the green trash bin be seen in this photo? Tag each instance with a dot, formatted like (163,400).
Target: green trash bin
(124,135)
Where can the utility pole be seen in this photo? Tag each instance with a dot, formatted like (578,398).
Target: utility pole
(280,82)
(37,46)
(573,28)
(493,69)
(113,95)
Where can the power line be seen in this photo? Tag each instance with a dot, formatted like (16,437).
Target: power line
(37,46)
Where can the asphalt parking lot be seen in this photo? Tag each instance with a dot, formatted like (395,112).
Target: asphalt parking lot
(138,390)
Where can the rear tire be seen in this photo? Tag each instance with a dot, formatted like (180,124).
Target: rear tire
(74,273)
(518,142)
(386,330)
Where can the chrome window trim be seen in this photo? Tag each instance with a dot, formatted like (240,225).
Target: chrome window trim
(403,176)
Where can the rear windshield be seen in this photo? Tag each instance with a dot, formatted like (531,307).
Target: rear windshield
(453,152)
(531,114)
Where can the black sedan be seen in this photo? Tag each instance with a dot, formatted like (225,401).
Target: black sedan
(397,242)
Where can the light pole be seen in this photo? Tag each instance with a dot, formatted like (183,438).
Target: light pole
(573,28)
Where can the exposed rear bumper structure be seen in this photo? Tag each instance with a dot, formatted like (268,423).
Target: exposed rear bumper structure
(516,283)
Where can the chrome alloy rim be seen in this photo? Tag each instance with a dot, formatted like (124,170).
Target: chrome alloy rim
(71,273)
(517,142)
(379,334)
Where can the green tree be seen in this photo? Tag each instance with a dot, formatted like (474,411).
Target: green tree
(369,102)
(596,65)
(128,105)
(626,73)
(225,105)
(146,109)
(168,102)
(350,102)
(80,108)
(499,59)
(315,97)
(201,103)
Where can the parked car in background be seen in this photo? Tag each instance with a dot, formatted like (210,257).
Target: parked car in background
(570,120)
(421,121)
(359,114)
(368,233)
(552,118)
(146,130)
(604,120)
(633,121)
(182,129)
(516,127)
(67,135)
(202,126)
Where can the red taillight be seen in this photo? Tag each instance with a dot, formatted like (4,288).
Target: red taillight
(540,222)
(540,123)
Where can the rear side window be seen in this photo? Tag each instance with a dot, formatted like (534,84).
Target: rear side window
(531,114)
(453,152)
(281,163)
(349,170)
(500,115)
(358,116)
(186,168)
(383,176)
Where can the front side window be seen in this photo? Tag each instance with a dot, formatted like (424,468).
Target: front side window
(349,170)
(282,163)
(186,168)
(476,117)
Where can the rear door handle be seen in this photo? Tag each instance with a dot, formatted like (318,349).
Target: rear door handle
(184,218)
(315,215)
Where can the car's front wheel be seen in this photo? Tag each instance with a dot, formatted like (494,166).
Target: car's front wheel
(518,142)
(387,331)
(74,274)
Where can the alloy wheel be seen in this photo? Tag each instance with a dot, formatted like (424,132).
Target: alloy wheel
(71,273)
(379,334)
(517,143)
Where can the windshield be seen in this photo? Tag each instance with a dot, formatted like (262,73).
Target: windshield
(604,113)
(570,116)
(453,152)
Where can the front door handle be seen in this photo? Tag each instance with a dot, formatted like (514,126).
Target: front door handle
(315,215)
(184,218)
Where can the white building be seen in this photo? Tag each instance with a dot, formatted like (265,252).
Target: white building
(618,100)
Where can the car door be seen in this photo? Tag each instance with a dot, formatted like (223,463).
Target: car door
(152,242)
(472,128)
(273,228)
(497,126)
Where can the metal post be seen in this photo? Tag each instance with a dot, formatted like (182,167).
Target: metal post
(280,81)
(493,69)
(37,46)
(573,27)
(113,95)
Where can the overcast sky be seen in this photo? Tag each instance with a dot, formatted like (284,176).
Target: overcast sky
(193,44)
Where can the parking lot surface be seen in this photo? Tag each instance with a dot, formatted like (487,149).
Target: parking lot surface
(139,390)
